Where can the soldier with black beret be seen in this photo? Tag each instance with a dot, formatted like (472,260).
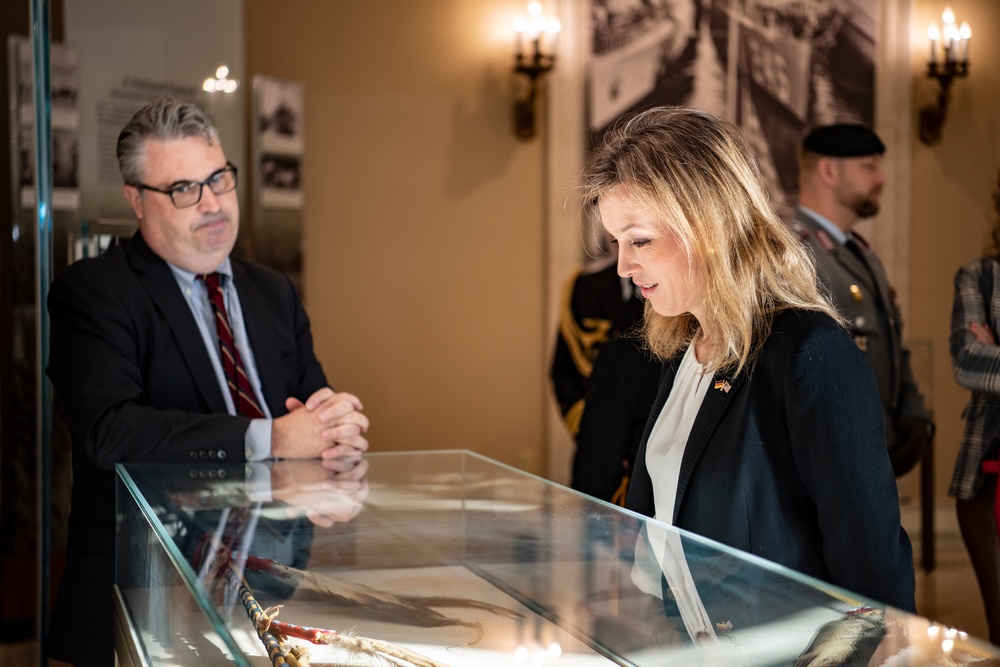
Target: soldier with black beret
(840,182)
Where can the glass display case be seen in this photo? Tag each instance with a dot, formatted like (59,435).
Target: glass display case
(446,558)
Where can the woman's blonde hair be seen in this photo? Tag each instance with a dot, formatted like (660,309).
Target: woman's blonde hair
(697,173)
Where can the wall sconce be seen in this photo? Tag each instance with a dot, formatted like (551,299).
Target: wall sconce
(221,83)
(540,31)
(949,60)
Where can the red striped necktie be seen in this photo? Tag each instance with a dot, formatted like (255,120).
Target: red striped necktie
(232,366)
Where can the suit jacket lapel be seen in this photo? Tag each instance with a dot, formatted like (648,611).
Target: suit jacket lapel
(158,281)
(713,407)
(257,320)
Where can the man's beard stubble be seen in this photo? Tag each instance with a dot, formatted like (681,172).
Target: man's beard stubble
(865,208)
(864,205)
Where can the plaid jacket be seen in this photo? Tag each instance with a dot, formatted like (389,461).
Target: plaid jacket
(977,367)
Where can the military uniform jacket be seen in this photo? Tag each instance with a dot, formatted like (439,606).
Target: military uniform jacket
(594,310)
(863,295)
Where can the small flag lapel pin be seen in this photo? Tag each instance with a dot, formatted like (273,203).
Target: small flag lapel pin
(723,385)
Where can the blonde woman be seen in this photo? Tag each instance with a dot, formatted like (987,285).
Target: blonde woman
(767,432)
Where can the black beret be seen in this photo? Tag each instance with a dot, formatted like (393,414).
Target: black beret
(844,140)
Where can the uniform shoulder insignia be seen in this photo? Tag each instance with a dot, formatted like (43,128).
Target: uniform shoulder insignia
(825,241)
(799,229)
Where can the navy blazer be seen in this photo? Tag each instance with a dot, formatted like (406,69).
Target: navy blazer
(790,464)
(131,371)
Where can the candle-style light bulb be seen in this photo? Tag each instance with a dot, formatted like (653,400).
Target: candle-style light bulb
(951,38)
(934,34)
(520,24)
(965,30)
(947,16)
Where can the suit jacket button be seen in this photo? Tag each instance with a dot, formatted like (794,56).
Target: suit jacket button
(222,454)
(194,455)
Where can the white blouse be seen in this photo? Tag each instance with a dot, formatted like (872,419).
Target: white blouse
(667,440)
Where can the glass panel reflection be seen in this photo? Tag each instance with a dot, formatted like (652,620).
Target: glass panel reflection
(451,559)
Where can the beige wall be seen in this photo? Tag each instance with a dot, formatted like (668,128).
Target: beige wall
(423,225)
(951,198)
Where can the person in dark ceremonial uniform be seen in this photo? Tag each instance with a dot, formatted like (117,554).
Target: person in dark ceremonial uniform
(840,182)
(604,401)
(597,306)
(619,397)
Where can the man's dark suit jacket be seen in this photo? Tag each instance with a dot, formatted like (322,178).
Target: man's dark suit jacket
(790,464)
(131,371)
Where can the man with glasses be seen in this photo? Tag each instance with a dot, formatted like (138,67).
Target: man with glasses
(167,349)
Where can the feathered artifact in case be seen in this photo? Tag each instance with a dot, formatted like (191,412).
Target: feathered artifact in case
(847,642)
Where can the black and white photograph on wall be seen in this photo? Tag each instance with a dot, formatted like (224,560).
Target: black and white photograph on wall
(279,115)
(280,141)
(64,122)
(19,51)
(281,183)
(65,159)
(278,152)
(774,67)
(65,167)
(64,81)
(26,158)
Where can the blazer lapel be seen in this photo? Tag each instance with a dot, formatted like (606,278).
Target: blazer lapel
(257,320)
(158,281)
(721,393)
(667,376)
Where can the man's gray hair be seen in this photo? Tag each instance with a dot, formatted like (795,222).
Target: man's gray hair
(164,119)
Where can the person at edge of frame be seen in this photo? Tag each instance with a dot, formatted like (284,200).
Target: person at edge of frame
(975,358)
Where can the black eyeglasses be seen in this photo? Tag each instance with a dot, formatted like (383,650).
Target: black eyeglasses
(189,194)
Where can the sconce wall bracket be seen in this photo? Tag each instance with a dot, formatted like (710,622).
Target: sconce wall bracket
(932,116)
(525,108)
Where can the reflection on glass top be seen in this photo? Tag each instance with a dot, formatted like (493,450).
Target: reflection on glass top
(446,558)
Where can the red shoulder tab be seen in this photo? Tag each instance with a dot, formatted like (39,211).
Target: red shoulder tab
(825,241)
